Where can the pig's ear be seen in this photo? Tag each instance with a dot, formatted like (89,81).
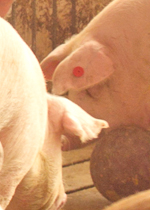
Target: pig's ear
(79,123)
(50,63)
(67,117)
(85,67)
(83,126)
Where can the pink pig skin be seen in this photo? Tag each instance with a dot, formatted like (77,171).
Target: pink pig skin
(139,201)
(114,51)
(31,127)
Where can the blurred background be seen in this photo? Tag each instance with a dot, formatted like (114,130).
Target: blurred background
(45,24)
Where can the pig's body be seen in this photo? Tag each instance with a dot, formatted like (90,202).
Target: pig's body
(114,50)
(31,125)
(23,113)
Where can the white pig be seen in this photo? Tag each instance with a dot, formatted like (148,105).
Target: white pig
(107,65)
(106,70)
(31,125)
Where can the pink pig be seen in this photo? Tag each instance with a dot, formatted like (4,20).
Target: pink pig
(106,67)
(31,125)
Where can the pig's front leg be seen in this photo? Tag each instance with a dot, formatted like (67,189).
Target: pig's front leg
(20,151)
(37,190)
(42,187)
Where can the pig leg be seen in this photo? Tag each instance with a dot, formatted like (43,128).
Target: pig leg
(19,155)
(44,178)
(38,189)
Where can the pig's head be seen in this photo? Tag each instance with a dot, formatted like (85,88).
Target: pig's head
(42,187)
(78,68)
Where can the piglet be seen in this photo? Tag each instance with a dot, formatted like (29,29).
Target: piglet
(106,70)
(31,125)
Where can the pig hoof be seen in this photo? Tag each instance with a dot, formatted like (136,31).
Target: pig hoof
(120,162)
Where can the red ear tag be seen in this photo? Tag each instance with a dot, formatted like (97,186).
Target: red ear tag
(78,71)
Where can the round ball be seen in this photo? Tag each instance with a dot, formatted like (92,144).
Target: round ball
(120,162)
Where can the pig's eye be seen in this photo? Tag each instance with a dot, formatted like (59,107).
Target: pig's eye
(78,71)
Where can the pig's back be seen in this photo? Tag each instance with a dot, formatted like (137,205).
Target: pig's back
(22,87)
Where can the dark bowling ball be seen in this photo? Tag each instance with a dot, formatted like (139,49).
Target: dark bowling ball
(120,162)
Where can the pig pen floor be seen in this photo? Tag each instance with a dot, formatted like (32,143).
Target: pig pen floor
(78,183)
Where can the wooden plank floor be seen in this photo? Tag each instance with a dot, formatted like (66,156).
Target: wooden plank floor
(78,183)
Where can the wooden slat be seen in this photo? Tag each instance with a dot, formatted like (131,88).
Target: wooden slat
(80,155)
(45,24)
(77,177)
(78,183)
(89,199)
